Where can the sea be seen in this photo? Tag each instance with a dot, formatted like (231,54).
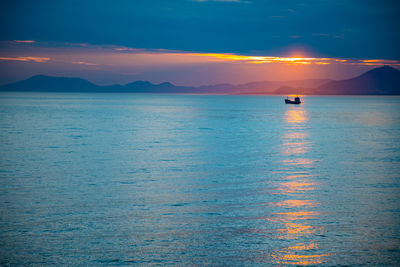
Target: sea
(198,180)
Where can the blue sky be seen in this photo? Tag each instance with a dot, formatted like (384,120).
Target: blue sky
(356,30)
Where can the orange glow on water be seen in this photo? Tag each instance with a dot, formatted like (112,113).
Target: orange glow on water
(297,215)
(294,203)
(296,116)
(295,135)
(299,161)
(296,186)
(293,139)
(296,176)
(301,246)
(292,230)
(294,259)
(291,256)
(294,148)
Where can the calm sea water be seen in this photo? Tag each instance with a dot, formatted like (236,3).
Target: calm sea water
(140,179)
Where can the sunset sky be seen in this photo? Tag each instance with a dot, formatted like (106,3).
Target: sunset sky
(196,42)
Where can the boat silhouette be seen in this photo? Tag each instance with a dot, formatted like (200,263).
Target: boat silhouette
(295,101)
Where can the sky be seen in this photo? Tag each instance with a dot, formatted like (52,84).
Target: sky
(197,42)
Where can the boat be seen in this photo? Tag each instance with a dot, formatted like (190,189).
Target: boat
(295,101)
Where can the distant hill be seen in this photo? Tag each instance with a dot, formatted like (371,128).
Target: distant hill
(148,87)
(45,83)
(272,87)
(381,81)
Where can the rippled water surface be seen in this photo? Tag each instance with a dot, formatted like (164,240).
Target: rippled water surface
(136,179)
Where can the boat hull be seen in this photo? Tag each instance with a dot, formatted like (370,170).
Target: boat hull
(287,101)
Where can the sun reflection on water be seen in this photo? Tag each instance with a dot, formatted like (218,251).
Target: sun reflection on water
(296,187)
(294,230)
(298,161)
(289,258)
(297,115)
(296,219)
(292,203)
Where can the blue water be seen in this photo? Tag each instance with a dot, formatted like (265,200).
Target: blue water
(141,179)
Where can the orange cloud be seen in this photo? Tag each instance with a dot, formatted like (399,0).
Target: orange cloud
(84,63)
(24,41)
(27,59)
(125,49)
(266,59)
(379,62)
(289,60)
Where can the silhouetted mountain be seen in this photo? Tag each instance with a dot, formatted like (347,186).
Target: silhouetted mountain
(380,81)
(383,80)
(148,87)
(45,83)
(273,87)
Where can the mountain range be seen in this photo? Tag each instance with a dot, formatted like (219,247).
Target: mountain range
(379,81)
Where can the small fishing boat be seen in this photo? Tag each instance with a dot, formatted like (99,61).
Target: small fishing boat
(295,101)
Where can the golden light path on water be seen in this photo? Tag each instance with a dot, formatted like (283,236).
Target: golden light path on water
(296,190)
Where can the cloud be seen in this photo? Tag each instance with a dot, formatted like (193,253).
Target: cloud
(378,62)
(23,41)
(14,43)
(93,55)
(27,59)
(108,64)
(125,49)
(84,63)
(296,60)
